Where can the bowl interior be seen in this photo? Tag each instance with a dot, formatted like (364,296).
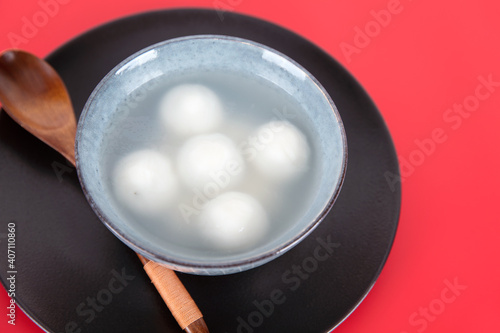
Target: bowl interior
(211,53)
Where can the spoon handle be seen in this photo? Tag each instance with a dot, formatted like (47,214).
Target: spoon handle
(175,295)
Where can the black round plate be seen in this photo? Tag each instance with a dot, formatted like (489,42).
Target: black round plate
(73,275)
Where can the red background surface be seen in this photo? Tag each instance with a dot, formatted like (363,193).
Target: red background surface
(426,59)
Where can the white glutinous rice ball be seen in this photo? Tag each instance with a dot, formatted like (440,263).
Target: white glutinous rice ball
(282,152)
(189,109)
(210,163)
(233,220)
(145,182)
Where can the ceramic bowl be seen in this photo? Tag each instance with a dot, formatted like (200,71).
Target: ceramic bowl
(211,53)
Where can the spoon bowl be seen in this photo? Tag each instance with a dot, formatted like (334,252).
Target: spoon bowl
(33,94)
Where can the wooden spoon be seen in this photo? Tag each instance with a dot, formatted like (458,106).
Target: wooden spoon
(34,95)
